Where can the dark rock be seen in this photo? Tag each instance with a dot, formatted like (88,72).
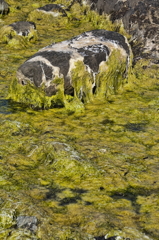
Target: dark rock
(107,238)
(23,28)
(55,9)
(79,62)
(27,222)
(140,19)
(4,7)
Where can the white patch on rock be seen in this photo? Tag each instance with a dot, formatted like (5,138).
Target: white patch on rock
(22,78)
(40,59)
(54,14)
(55,72)
(58,47)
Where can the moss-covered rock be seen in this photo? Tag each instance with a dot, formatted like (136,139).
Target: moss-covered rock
(93,64)
(19,34)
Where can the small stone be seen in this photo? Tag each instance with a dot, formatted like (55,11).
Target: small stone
(23,28)
(54,9)
(27,222)
(4,7)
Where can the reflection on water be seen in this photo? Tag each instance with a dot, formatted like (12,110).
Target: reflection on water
(4,106)
(9,107)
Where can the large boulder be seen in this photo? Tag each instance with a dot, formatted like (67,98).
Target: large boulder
(140,19)
(94,64)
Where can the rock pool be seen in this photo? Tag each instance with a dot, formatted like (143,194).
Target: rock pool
(78,175)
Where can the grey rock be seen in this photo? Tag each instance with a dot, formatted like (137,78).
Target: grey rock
(4,7)
(27,222)
(23,28)
(140,19)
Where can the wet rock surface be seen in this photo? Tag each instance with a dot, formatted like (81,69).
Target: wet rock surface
(140,19)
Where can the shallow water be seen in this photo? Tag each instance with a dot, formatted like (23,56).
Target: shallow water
(81,175)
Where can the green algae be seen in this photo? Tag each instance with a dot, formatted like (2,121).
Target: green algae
(6,33)
(104,22)
(73,179)
(73,105)
(149,213)
(36,97)
(82,80)
(108,81)
(111,76)
(7,218)
(57,22)
(83,175)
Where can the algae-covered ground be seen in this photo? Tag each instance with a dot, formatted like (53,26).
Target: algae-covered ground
(80,175)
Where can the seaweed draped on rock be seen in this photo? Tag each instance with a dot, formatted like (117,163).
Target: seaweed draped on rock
(18,34)
(92,65)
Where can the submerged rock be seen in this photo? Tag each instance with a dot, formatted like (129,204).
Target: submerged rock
(4,7)
(140,19)
(93,64)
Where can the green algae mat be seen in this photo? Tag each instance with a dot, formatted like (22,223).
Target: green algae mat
(81,174)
